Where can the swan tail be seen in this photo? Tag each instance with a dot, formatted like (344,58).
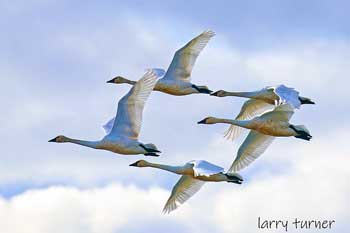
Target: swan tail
(304,100)
(202,89)
(152,154)
(302,132)
(205,90)
(234,178)
(150,148)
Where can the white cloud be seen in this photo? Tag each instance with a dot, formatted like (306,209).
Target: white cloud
(293,178)
(63,209)
(78,104)
(315,188)
(314,67)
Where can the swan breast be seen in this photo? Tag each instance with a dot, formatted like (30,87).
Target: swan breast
(275,128)
(174,87)
(121,146)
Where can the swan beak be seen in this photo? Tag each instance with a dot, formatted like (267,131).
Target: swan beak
(53,140)
(202,121)
(214,94)
(111,81)
(133,164)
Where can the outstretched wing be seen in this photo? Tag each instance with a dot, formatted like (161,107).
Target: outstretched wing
(204,168)
(159,72)
(282,112)
(253,146)
(109,125)
(185,188)
(249,110)
(184,59)
(129,114)
(288,95)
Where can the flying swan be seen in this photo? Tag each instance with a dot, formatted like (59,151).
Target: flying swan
(261,101)
(264,129)
(122,131)
(177,79)
(194,175)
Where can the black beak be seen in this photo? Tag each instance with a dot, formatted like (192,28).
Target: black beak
(53,140)
(214,94)
(201,122)
(133,164)
(111,81)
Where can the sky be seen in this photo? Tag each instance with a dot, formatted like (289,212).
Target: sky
(56,57)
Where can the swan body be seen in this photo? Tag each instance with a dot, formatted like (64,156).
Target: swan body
(256,144)
(264,129)
(194,175)
(262,100)
(123,130)
(177,79)
(273,123)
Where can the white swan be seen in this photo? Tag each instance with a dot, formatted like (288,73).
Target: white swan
(176,80)
(261,101)
(123,130)
(194,174)
(263,130)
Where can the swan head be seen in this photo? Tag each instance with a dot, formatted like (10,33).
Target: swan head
(207,121)
(59,139)
(118,80)
(220,93)
(140,163)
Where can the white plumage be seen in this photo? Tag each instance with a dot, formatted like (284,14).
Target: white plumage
(129,114)
(181,66)
(185,188)
(108,126)
(123,130)
(204,168)
(177,79)
(264,129)
(287,95)
(194,175)
(253,146)
(260,102)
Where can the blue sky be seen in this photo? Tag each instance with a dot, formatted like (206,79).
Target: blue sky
(56,57)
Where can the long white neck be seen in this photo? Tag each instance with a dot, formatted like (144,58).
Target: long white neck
(248,94)
(130,82)
(173,169)
(125,80)
(248,124)
(91,144)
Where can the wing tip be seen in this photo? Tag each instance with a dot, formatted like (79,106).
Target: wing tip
(150,76)
(232,133)
(169,207)
(209,33)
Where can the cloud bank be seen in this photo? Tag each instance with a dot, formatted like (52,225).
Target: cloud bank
(53,81)
(316,188)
